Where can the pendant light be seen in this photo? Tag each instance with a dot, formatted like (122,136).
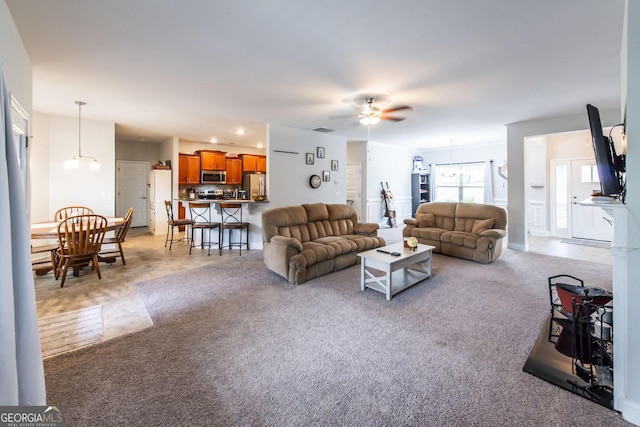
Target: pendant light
(74,162)
(451,173)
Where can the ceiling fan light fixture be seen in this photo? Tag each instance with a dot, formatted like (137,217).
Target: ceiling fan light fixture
(369,120)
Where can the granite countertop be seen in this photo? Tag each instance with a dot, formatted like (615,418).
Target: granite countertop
(182,199)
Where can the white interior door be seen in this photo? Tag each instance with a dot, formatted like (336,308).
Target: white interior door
(354,187)
(587,222)
(131,190)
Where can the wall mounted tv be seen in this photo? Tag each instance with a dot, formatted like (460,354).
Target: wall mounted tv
(610,166)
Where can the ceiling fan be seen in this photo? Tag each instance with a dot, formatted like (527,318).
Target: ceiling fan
(370,115)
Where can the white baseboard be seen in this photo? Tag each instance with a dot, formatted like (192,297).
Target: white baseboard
(631,411)
(516,246)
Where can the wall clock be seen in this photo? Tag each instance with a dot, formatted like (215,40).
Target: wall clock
(315,181)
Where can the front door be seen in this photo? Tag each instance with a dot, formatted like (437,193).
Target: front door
(131,191)
(587,222)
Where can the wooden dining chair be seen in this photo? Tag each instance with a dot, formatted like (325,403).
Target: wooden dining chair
(79,241)
(117,240)
(68,211)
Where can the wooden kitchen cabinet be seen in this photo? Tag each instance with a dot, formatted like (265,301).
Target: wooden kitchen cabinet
(262,164)
(253,163)
(234,170)
(212,160)
(188,169)
(249,162)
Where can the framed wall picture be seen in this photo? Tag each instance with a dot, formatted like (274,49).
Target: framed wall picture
(326,176)
(334,165)
(309,158)
(320,152)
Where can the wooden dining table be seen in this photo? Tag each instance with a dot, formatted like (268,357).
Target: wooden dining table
(49,230)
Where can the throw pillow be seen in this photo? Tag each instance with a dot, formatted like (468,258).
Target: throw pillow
(426,220)
(481,225)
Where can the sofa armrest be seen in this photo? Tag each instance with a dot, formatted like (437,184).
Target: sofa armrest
(411,221)
(494,232)
(277,253)
(287,241)
(366,229)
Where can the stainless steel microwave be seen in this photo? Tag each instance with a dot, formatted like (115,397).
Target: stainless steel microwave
(213,177)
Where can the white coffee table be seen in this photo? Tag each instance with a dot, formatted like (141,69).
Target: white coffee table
(398,272)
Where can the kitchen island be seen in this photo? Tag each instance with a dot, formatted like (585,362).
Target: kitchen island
(252,213)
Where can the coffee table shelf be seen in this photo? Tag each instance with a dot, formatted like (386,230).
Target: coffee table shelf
(389,274)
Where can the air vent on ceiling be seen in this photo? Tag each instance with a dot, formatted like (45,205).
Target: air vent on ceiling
(323,130)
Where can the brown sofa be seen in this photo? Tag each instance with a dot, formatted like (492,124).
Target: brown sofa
(465,230)
(307,241)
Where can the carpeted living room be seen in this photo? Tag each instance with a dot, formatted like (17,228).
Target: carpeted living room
(232,343)
(470,112)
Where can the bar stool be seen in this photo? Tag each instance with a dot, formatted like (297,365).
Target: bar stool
(171,223)
(231,214)
(201,217)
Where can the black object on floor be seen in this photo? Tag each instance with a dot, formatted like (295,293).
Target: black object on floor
(551,360)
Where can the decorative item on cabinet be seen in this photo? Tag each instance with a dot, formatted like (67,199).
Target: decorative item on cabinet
(211,160)
(188,169)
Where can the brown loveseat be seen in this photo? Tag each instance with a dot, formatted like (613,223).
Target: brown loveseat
(465,230)
(307,241)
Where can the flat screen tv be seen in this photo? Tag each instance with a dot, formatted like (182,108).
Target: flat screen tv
(610,178)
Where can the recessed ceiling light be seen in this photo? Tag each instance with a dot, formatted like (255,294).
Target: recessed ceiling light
(240,131)
(259,145)
(213,140)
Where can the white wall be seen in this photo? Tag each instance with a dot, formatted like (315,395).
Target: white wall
(17,65)
(630,62)
(95,189)
(288,176)
(392,164)
(141,151)
(516,134)
(39,167)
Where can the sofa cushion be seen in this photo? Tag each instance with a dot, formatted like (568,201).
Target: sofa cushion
(365,243)
(481,225)
(426,220)
(339,244)
(427,233)
(459,238)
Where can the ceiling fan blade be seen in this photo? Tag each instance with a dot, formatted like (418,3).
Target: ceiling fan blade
(393,119)
(398,108)
(348,116)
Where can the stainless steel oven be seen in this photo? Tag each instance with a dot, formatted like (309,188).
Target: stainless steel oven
(213,177)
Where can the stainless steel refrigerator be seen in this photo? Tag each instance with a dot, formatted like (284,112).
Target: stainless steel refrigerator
(254,184)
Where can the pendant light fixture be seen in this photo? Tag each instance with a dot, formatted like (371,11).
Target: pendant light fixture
(74,162)
(451,172)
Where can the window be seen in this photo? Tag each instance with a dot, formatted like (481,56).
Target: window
(460,182)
